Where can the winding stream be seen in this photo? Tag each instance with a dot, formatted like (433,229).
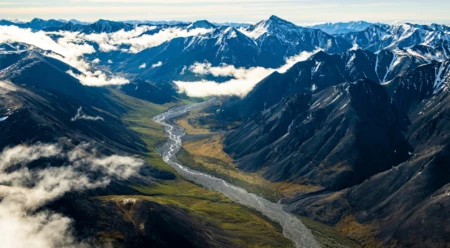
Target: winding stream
(293,228)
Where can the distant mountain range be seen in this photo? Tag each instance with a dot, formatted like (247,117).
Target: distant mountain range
(266,44)
(342,27)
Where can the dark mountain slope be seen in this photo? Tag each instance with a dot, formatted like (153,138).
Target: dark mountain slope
(404,204)
(335,138)
(46,101)
(319,72)
(36,115)
(33,69)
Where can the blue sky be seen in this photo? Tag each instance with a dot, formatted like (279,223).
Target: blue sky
(298,11)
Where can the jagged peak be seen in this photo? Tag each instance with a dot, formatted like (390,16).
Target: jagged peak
(102,21)
(202,24)
(37,20)
(277,20)
(320,56)
(229,33)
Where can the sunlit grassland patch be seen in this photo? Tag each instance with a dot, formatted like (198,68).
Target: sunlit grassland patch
(248,227)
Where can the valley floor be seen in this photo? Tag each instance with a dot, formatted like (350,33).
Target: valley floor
(203,151)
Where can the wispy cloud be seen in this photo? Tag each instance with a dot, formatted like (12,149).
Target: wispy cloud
(136,38)
(81,116)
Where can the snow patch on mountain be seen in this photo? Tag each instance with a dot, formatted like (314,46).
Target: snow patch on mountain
(6,87)
(442,76)
(159,64)
(257,32)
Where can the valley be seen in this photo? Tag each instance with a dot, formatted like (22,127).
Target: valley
(223,221)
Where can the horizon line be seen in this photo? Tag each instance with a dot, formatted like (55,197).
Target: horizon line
(393,22)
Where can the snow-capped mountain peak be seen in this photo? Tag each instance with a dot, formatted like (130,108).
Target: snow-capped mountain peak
(271,26)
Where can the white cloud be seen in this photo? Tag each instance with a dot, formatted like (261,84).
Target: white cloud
(26,154)
(160,63)
(135,38)
(68,48)
(147,41)
(98,78)
(244,80)
(81,116)
(143,66)
(40,230)
(24,191)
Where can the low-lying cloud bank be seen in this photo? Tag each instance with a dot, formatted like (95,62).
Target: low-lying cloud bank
(67,49)
(137,39)
(244,80)
(24,191)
